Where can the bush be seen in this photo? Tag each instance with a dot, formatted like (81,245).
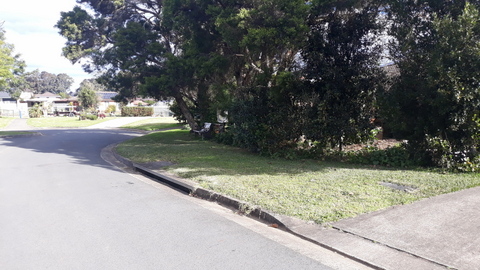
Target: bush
(111,109)
(88,116)
(137,111)
(396,156)
(35,111)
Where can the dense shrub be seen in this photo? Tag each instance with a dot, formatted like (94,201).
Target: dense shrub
(85,116)
(111,109)
(35,111)
(396,156)
(137,111)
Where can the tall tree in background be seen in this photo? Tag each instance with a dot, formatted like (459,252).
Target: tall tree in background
(41,82)
(87,98)
(132,45)
(92,84)
(11,66)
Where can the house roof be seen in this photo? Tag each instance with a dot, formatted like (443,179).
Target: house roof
(47,95)
(107,95)
(4,94)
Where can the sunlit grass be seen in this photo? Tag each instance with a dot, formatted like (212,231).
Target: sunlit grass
(5,121)
(308,189)
(14,133)
(63,122)
(156,123)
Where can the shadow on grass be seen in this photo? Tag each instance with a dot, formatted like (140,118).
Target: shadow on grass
(202,157)
(152,127)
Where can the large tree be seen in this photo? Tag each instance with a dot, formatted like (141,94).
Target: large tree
(42,81)
(130,42)
(197,52)
(87,97)
(342,72)
(11,66)
(435,100)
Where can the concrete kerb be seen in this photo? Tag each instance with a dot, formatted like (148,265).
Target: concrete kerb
(194,190)
(365,251)
(285,223)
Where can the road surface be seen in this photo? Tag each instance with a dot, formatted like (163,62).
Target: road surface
(63,207)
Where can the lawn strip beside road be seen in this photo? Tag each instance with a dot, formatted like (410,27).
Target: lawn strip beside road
(5,121)
(16,133)
(64,122)
(307,189)
(152,124)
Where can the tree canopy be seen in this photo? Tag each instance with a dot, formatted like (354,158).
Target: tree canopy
(293,71)
(41,82)
(11,65)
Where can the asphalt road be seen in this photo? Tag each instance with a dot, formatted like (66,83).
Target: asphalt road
(63,207)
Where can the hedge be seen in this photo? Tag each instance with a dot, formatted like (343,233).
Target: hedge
(137,111)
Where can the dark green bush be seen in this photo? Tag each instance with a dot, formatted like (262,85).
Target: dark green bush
(137,111)
(396,156)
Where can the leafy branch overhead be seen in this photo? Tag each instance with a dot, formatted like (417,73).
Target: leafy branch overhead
(291,72)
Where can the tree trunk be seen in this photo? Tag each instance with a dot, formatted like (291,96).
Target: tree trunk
(186,112)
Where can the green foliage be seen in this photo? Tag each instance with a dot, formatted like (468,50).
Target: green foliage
(35,111)
(41,82)
(437,94)
(88,116)
(342,73)
(11,66)
(396,156)
(293,74)
(88,98)
(137,111)
(111,109)
(270,123)
(92,84)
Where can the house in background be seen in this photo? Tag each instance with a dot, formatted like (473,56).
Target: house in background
(160,108)
(6,98)
(10,107)
(106,99)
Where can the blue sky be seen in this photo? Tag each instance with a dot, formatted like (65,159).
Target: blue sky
(29,25)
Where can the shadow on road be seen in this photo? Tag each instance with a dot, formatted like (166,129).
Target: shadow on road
(81,146)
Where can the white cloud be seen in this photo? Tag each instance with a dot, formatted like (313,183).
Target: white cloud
(29,25)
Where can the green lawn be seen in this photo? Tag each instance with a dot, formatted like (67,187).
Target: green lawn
(63,122)
(4,121)
(156,123)
(308,189)
(14,133)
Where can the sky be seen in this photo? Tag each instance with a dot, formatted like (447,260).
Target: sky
(29,26)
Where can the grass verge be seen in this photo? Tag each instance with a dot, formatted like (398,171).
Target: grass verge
(5,121)
(14,133)
(63,122)
(308,189)
(154,124)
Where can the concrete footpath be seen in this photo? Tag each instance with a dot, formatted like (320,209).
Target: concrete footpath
(18,124)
